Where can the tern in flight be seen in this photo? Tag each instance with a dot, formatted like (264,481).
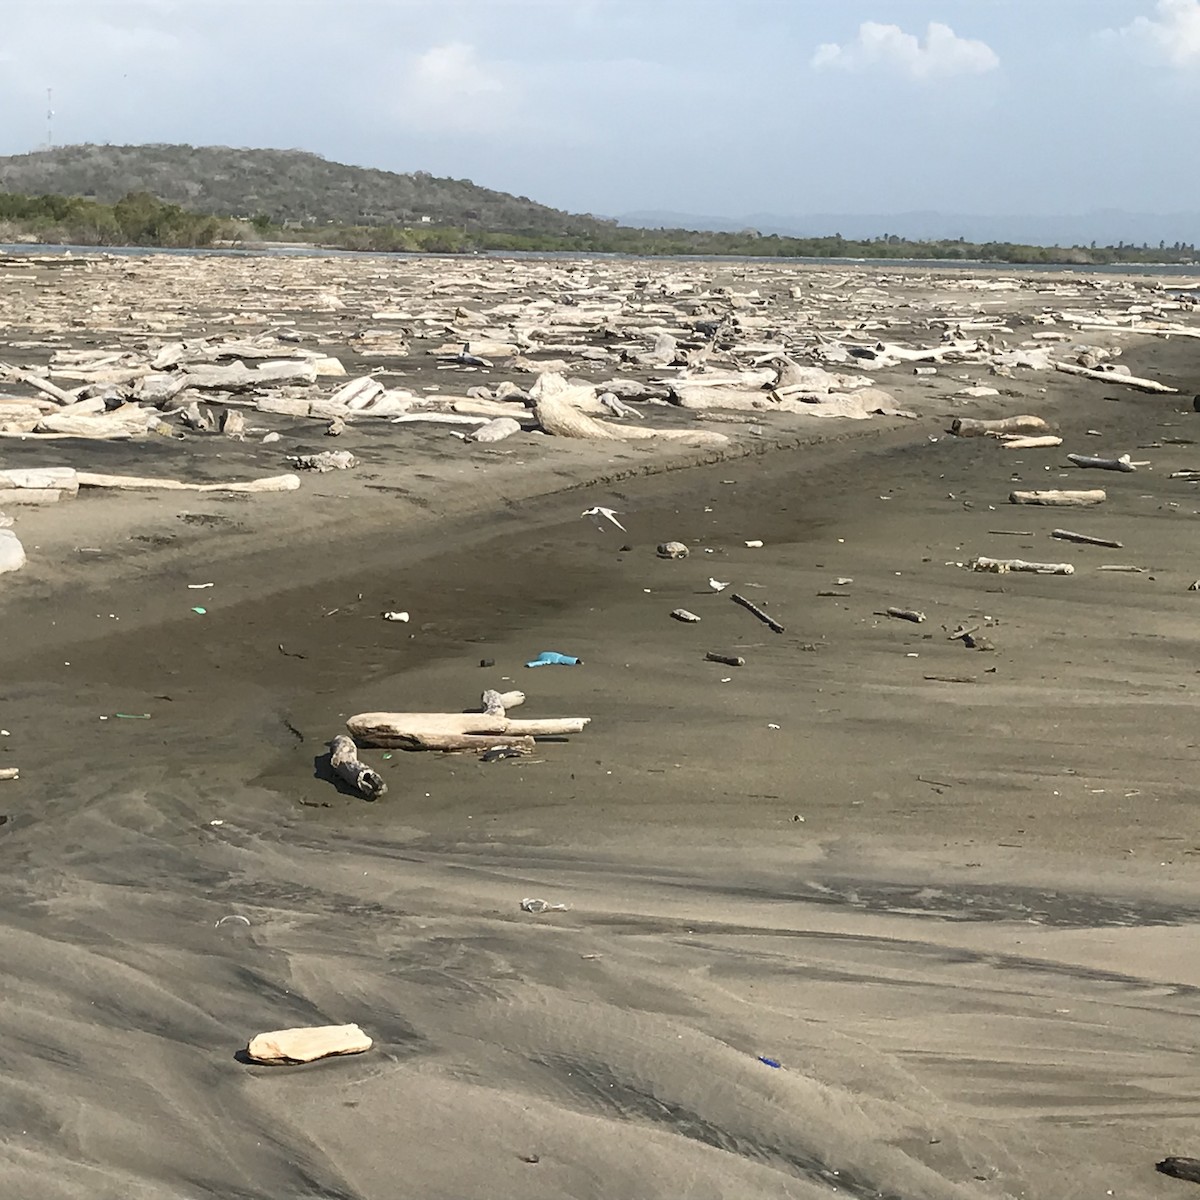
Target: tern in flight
(610,513)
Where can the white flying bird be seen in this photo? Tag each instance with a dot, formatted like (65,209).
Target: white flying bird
(610,513)
(717,585)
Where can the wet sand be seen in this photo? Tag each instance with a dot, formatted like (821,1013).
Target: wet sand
(961,917)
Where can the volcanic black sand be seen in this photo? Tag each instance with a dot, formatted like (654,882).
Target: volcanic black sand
(949,894)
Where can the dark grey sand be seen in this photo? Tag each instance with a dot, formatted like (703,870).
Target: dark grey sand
(962,917)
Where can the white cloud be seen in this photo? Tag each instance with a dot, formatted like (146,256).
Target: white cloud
(942,52)
(450,89)
(1173,33)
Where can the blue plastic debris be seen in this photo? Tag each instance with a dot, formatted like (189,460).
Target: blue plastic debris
(551,658)
(770,1062)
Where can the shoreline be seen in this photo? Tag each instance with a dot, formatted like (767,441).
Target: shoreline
(317,250)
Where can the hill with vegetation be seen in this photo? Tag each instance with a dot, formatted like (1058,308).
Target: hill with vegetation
(282,187)
(178,196)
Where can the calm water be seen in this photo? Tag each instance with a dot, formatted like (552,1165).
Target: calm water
(289,251)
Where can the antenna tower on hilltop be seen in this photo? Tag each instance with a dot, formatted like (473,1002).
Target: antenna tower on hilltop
(49,118)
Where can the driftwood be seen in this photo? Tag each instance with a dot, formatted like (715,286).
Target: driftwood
(496,430)
(1132,381)
(729,660)
(7,773)
(36,382)
(1060,499)
(1001,566)
(455,731)
(63,479)
(196,418)
(970,427)
(1187,1169)
(906,614)
(343,758)
(496,704)
(31,495)
(141,483)
(1030,443)
(240,378)
(1102,464)
(327,460)
(233,424)
(307,1045)
(560,418)
(770,622)
(12,553)
(682,614)
(1065,535)
(672,550)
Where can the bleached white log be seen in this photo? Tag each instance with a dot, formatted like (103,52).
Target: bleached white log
(64,479)
(1011,442)
(139,483)
(237,377)
(1059,498)
(1132,381)
(30,496)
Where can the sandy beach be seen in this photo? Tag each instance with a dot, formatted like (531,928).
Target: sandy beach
(874,914)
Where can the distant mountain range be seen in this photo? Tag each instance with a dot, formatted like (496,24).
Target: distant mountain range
(1106,227)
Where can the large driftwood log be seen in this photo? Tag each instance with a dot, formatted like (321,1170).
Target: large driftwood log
(1102,464)
(1001,566)
(970,427)
(120,423)
(343,758)
(141,483)
(441,731)
(1065,535)
(1131,381)
(240,378)
(496,704)
(1060,499)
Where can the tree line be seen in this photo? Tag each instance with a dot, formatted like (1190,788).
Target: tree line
(141,219)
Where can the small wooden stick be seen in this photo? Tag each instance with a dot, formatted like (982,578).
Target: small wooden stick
(770,622)
(906,614)
(730,660)
(343,758)
(1065,535)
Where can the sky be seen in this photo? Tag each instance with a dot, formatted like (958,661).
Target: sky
(721,107)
